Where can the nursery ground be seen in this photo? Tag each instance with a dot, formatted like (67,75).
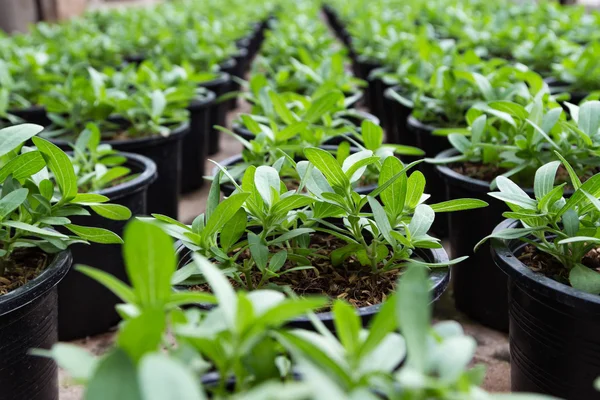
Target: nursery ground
(492,347)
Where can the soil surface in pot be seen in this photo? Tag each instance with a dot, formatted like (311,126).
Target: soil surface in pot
(484,172)
(489,172)
(550,267)
(25,265)
(350,281)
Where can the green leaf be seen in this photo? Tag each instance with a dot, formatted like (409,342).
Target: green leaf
(115,378)
(585,279)
(575,181)
(394,196)
(234,229)
(143,334)
(150,262)
(23,166)
(520,201)
(372,135)
(281,108)
(328,165)
(414,314)
(114,212)
(214,196)
(12,201)
(221,287)
(13,136)
(223,213)
(164,378)
(544,179)
(89,198)
(95,235)
(508,234)
(383,324)
(321,106)
(382,221)
(60,165)
(159,102)
(259,251)
(292,202)
(347,325)
(589,117)
(266,179)
(458,205)
(421,220)
(119,288)
(509,107)
(33,229)
(76,361)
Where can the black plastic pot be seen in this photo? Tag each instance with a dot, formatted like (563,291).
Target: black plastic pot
(85,307)
(377,88)
(228,188)
(431,145)
(479,286)
(218,111)
(554,342)
(396,117)
(195,144)
(230,66)
(29,320)
(166,152)
(362,68)
(439,278)
(33,115)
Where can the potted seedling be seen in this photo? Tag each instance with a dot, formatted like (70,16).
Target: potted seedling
(36,233)
(327,113)
(86,308)
(291,238)
(549,251)
(179,83)
(141,120)
(577,74)
(282,148)
(24,76)
(505,139)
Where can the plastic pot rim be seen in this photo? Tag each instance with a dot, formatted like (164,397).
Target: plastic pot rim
(40,285)
(439,277)
(503,254)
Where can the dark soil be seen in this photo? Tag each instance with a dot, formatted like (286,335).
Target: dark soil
(549,266)
(483,172)
(24,265)
(488,172)
(351,281)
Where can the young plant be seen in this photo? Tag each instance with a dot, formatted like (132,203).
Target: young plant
(385,237)
(237,231)
(97,166)
(563,228)
(242,349)
(39,194)
(234,338)
(514,141)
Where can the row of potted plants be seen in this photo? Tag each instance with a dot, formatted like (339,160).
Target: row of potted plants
(244,347)
(52,201)
(493,122)
(123,120)
(146,93)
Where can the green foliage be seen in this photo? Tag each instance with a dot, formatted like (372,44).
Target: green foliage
(520,139)
(39,193)
(562,227)
(242,349)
